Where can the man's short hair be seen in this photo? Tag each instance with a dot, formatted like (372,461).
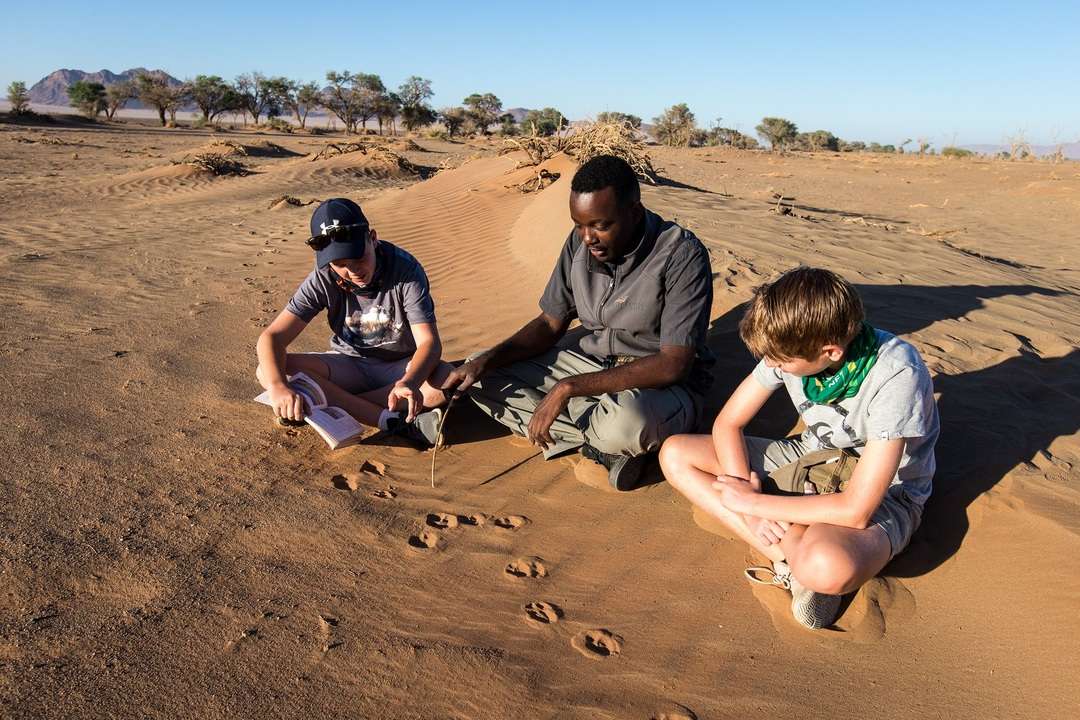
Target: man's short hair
(799,313)
(608,171)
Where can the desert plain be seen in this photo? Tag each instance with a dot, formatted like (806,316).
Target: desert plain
(167,551)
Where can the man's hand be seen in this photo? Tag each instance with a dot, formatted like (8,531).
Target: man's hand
(545,413)
(738,494)
(463,376)
(410,393)
(287,403)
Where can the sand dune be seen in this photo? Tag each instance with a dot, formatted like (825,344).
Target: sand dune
(168,552)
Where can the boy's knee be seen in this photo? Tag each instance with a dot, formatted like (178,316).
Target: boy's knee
(673,458)
(824,567)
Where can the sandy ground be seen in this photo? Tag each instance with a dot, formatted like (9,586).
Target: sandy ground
(167,552)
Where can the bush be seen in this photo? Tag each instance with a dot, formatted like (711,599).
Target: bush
(544,122)
(88,97)
(18,97)
(676,126)
(818,140)
(777,131)
(276,123)
(956,152)
(731,138)
(619,118)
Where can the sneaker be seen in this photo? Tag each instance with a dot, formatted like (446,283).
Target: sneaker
(287,423)
(624,471)
(810,609)
(422,431)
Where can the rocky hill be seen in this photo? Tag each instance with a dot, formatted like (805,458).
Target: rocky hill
(52,89)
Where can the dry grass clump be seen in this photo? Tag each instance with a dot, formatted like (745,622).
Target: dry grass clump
(538,182)
(378,158)
(215,163)
(282,201)
(335,149)
(585,143)
(225,148)
(40,140)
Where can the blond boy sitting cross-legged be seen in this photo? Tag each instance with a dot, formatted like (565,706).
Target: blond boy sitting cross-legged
(858,389)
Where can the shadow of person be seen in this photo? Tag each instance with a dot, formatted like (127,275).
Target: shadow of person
(992,420)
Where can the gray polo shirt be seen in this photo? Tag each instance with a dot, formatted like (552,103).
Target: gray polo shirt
(658,294)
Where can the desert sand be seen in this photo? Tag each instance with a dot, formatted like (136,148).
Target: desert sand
(168,552)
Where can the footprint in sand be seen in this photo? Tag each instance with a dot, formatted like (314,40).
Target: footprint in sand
(510,522)
(426,540)
(597,644)
(542,613)
(442,520)
(385,494)
(526,567)
(327,627)
(879,601)
(345,482)
(674,712)
(476,520)
(373,467)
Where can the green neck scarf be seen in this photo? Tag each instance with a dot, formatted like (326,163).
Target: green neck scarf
(825,388)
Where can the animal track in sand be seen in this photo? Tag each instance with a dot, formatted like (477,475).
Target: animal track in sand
(510,522)
(373,467)
(426,540)
(385,494)
(476,520)
(542,613)
(526,567)
(597,644)
(327,625)
(442,520)
(345,482)
(674,711)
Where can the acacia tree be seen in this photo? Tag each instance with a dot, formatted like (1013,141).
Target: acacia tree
(818,140)
(155,91)
(18,97)
(370,96)
(543,122)
(676,126)
(117,96)
(454,118)
(414,94)
(609,116)
(88,97)
(299,99)
(507,126)
(482,110)
(778,132)
(387,107)
(340,98)
(256,93)
(212,94)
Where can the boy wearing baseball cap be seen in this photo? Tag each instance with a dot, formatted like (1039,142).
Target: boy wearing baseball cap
(384,364)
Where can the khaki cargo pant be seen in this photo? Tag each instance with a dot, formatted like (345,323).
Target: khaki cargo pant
(631,422)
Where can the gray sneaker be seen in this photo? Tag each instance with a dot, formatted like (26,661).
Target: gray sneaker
(422,431)
(624,471)
(810,609)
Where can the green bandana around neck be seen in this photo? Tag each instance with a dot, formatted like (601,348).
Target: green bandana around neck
(861,355)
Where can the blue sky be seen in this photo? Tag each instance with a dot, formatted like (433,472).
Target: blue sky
(974,71)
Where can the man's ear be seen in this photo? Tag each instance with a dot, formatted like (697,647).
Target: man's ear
(373,236)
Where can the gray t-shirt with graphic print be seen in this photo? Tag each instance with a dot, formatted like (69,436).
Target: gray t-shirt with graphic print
(378,327)
(896,400)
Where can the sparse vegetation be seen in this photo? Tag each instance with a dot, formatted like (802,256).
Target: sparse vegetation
(156,92)
(611,117)
(543,122)
(213,96)
(257,94)
(415,111)
(18,97)
(117,96)
(453,119)
(778,132)
(618,139)
(482,111)
(676,126)
(955,152)
(817,141)
(88,97)
(730,137)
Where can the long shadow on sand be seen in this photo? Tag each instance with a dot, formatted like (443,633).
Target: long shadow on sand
(991,419)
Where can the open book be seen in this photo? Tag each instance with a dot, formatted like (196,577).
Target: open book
(337,427)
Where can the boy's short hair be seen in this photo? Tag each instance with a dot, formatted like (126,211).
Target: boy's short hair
(799,313)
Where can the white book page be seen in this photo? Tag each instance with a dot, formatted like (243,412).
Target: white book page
(334,424)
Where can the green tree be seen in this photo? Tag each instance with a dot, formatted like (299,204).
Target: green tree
(818,140)
(387,107)
(415,111)
(257,95)
(88,97)
(619,118)
(676,126)
(507,126)
(370,97)
(453,118)
(299,99)
(778,132)
(18,97)
(543,122)
(212,95)
(341,99)
(730,137)
(117,96)
(482,111)
(155,91)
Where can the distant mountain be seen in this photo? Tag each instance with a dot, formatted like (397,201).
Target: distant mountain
(518,113)
(1070,150)
(52,89)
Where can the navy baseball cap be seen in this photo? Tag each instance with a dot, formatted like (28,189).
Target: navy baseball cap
(339,231)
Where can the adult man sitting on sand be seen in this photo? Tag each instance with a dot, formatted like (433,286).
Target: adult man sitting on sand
(385,353)
(642,289)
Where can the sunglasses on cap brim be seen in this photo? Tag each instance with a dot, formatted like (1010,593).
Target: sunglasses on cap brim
(338,233)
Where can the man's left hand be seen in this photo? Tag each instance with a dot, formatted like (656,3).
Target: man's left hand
(544,416)
(738,494)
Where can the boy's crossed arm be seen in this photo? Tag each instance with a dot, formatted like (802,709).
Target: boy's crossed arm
(853,508)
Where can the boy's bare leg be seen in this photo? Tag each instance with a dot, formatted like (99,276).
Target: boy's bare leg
(690,465)
(833,559)
(363,410)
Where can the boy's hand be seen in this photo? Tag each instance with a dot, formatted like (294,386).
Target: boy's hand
(287,403)
(738,494)
(769,532)
(410,393)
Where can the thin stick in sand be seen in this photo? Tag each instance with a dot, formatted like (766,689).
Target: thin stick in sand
(438,437)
